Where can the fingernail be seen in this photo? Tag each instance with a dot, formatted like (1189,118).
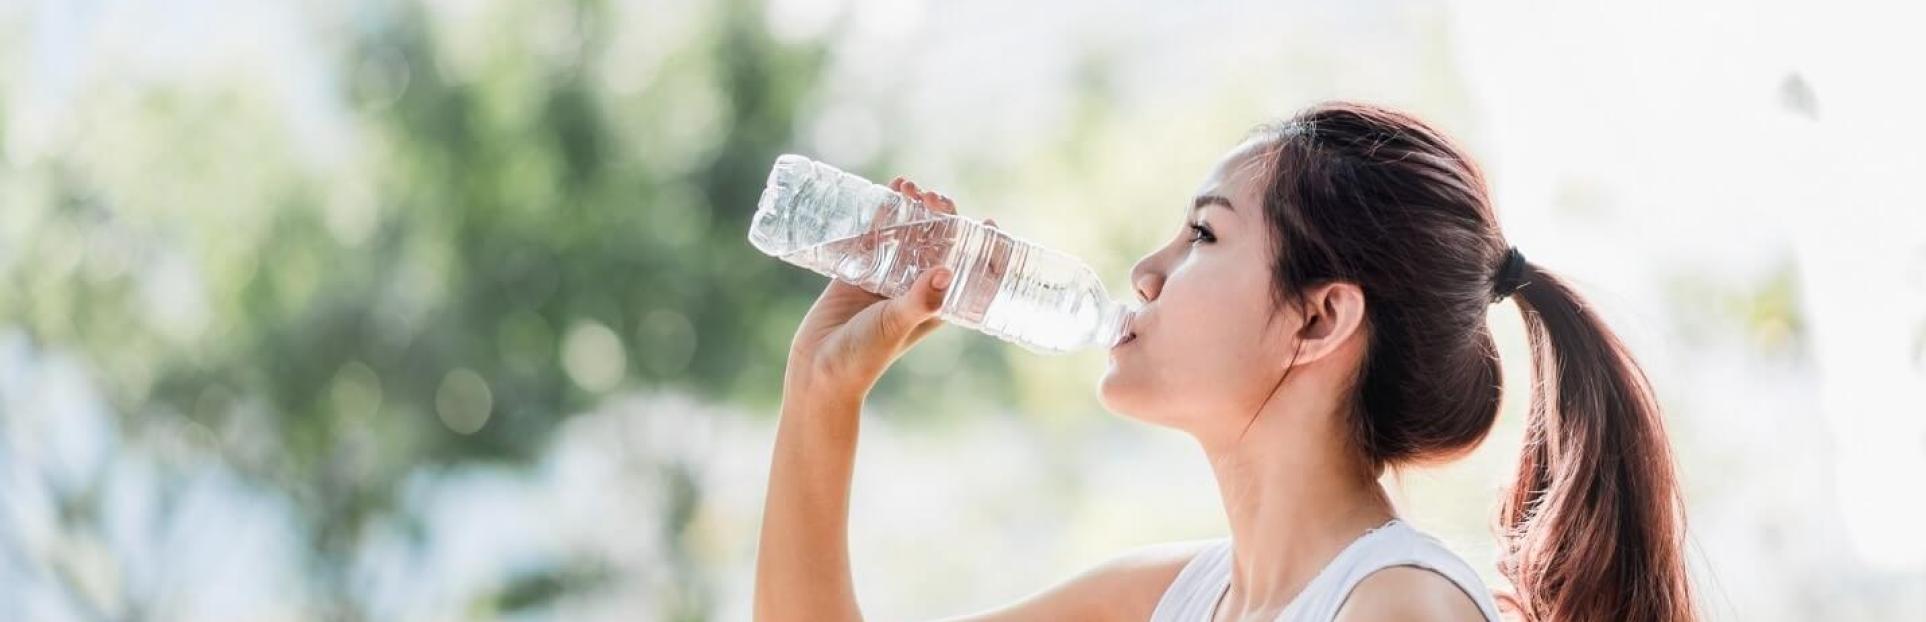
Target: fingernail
(942,278)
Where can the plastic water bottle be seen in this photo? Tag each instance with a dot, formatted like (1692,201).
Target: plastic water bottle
(845,227)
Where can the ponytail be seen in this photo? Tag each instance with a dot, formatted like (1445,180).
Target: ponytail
(1593,527)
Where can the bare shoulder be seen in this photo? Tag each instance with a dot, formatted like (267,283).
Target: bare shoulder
(1143,573)
(1125,587)
(1408,593)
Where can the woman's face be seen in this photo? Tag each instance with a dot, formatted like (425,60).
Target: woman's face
(1209,336)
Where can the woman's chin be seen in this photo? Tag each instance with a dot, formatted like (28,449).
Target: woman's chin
(1132,398)
(1118,394)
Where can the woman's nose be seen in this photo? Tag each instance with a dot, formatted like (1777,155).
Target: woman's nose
(1146,279)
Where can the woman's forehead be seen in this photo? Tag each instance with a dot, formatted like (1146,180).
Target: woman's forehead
(1237,175)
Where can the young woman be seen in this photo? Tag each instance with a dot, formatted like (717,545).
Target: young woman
(1318,319)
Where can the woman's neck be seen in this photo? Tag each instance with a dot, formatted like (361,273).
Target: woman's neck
(1294,497)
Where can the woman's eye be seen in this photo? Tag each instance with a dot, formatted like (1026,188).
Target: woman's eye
(1201,233)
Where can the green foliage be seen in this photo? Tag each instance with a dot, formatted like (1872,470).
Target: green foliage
(508,240)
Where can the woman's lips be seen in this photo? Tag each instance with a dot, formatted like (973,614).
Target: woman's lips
(1129,329)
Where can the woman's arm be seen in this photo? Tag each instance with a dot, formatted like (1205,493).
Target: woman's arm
(846,341)
(802,563)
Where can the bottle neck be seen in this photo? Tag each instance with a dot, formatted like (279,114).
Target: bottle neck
(1114,321)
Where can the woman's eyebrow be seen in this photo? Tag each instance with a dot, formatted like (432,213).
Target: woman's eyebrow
(1211,199)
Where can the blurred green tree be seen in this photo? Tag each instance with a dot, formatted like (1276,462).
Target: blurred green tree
(512,239)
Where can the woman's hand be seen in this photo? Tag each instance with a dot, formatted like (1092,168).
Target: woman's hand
(850,336)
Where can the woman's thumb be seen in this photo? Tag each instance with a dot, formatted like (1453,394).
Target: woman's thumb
(903,314)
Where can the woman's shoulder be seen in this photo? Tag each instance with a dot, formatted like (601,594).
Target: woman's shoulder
(1126,586)
(1136,579)
(1401,573)
(1165,556)
(1408,593)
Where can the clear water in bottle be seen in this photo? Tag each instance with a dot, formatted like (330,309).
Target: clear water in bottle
(845,227)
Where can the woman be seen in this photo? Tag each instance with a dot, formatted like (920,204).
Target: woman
(1319,318)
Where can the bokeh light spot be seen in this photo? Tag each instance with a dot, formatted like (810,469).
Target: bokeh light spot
(464,402)
(592,355)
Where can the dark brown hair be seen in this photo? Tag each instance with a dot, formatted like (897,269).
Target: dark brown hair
(1593,527)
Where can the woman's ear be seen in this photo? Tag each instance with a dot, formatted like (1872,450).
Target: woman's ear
(1333,314)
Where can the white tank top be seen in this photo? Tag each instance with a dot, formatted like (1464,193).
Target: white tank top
(1194,594)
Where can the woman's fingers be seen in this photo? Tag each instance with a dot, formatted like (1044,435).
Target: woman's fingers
(904,315)
(934,200)
(912,305)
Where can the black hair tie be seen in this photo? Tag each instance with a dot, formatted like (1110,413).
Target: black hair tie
(1511,275)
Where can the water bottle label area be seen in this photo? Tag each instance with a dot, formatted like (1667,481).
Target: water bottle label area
(888,259)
